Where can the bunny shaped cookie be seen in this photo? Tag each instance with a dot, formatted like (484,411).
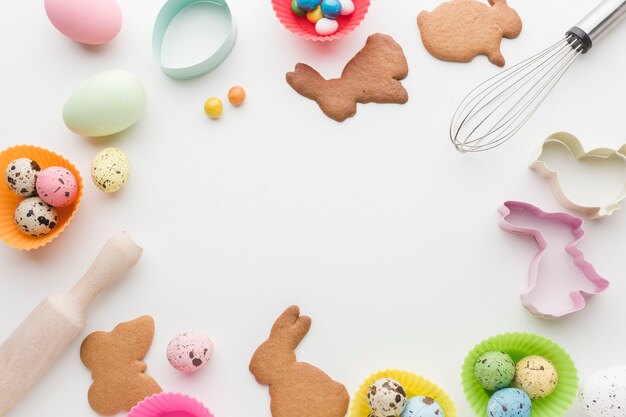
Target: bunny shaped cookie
(297,389)
(459,30)
(114,358)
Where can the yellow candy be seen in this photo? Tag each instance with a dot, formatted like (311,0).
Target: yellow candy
(213,107)
(315,15)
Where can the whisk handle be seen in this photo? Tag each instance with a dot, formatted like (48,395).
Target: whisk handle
(598,22)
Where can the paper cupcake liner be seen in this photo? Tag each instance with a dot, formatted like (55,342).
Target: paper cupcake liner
(518,346)
(9,233)
(300,26)
(413,384)
(169,404)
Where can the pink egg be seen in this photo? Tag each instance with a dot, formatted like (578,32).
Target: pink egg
(57,186)
(87,21)
(189,351)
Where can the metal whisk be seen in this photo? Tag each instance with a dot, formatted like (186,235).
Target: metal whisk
(497,109)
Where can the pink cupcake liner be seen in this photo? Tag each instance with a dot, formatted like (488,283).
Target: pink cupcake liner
(169,404)
(300,26)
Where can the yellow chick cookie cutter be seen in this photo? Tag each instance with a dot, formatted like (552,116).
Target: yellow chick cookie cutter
(593,182)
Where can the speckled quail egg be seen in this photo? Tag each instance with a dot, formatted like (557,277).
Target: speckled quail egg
(494,370)
(536,376)
(604,393)
(34,217)
(422,407)
(110,169)
(386,398)
(21,176)
(509,402)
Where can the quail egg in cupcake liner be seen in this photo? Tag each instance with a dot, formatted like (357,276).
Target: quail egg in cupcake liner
(35,218)
(20,176)
(422,398)
(524,349)
(30,161)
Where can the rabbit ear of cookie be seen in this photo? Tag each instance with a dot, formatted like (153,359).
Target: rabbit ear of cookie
(290,327)
(136,335)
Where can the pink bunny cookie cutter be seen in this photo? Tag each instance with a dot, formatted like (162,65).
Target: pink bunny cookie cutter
(558,294)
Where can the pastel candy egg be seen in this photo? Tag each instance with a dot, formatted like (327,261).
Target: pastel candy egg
(494,370)
(110,169)
(308,5)
(20,176)
(213,107)
(536,376)
(57,186)
(296,9)
(104,104)
(509,402)
(315,15)
(325,26)
(86,21)
(604,393)
(422,407)
(347,7)
(236,95)
(189,351)
(386,397)
(34,217)
(331,8)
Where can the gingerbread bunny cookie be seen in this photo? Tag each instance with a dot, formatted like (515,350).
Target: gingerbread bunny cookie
(114,358)
(459,30)
(372,76)
(297,389)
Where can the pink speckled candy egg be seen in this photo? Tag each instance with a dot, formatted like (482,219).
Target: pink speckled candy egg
(92,22)
(189,351)
(57,186)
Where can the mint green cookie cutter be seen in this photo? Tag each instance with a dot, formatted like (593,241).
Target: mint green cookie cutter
(168,12)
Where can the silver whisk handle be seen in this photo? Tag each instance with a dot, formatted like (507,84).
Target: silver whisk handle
(599,21)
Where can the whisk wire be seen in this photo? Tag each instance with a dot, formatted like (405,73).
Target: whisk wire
(497,109)
(537,61)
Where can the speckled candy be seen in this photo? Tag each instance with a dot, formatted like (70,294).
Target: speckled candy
(509,402)
(494,370)
(21,176)
(308,5)
(57,186)
(34,217)
(603,394)
(422,407)
(110,169)
(386,398)
(536,376)
(331,8)
(189,351)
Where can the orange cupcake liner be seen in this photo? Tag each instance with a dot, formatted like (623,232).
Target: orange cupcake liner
(9,232)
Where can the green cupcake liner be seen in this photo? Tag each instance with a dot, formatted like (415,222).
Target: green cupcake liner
(518,346)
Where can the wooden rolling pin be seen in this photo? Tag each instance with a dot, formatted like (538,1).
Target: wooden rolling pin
(49,329)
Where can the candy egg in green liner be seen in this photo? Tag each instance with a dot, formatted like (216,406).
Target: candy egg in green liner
(518,346)
(494,370)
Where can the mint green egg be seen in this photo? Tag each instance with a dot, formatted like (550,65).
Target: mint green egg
(104,104)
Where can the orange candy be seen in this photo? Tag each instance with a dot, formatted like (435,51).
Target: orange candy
(236,95)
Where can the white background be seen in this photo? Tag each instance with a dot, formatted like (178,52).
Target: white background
(376,227)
